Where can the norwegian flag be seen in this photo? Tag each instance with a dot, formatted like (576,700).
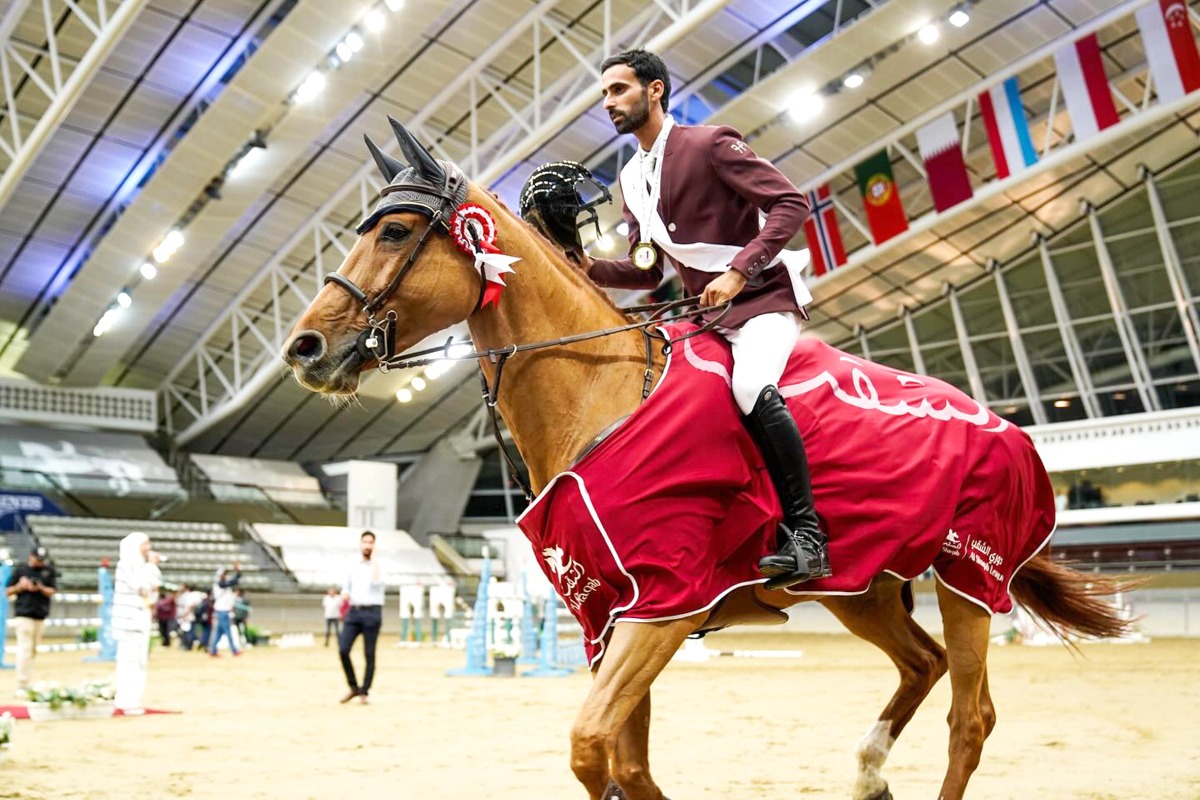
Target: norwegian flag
(821,231)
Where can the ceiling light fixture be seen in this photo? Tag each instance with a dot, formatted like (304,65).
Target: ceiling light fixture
(149,271)
(124,300)
(806,107)
(622,228)
(375,21)
(394,5)
(928,33)
(853,80)
(417,383)
(959,17)
(311,87)
(404,396)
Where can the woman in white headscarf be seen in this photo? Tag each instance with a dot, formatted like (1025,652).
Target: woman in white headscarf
(137,582)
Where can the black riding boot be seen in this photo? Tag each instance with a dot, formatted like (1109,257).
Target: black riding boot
(802,555)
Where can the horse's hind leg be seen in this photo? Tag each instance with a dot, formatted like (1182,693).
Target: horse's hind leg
(636,654)
(967,628)
(631,759)
(879,617)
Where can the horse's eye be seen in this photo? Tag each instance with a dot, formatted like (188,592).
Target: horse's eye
(394,233)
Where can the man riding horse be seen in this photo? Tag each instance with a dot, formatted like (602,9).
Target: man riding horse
(693,194)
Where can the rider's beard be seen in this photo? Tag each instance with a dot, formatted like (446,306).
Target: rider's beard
(637,116)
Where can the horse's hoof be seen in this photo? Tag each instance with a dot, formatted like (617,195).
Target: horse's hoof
(613,791)
(884,795)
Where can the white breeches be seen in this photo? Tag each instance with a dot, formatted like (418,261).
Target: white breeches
(132,661)
(761,349)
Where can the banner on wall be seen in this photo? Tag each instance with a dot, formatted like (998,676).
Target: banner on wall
(15,505)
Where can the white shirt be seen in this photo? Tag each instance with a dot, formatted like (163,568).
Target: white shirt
(360,583)
(332,605)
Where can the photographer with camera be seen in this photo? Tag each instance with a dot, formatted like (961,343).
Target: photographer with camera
(30,587)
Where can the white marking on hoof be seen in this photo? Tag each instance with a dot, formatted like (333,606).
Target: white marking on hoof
(872,752)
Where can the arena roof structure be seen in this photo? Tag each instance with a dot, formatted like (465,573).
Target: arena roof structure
(178,176)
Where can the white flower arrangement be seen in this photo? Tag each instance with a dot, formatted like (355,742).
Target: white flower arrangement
(57,696)
(7,726)
(505,650)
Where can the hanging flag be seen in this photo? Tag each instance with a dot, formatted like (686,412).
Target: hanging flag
(1170,48)
(942,153)
(1007,130)
(1085,87)
(822,232)
(881,197)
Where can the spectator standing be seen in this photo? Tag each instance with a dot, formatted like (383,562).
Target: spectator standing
(30,587)
(223,602)
(332,605)
(364,588)
(241,613)
(137,580)
(164,615)
(203,624)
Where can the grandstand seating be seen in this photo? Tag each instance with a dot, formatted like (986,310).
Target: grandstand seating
(194,550)
(318,555)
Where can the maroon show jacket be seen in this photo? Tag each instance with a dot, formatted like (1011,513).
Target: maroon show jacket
(713,186)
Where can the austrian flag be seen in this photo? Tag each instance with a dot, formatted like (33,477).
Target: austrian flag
(942,153)
(1170,48)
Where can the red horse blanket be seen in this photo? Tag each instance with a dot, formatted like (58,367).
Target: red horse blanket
(675,508)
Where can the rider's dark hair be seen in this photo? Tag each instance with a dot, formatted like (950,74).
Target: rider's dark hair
(646,66)
(365,534)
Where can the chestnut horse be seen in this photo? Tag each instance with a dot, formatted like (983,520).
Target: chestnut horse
(412,280)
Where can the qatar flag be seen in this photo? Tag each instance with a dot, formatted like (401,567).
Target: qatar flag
(942,153)
(1170,48)
(1085,87)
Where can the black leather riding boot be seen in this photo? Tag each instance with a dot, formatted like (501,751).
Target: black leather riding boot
(802,553)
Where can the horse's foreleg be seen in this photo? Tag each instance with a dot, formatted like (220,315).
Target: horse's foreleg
(967,628)
(636,654)
(631,760)
(879,617)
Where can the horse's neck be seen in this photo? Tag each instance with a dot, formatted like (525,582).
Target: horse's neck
(555,400)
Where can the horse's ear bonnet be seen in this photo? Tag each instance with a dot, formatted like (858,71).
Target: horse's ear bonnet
(553,198)
(404,190)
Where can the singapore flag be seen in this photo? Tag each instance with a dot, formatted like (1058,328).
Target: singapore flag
(1170,48)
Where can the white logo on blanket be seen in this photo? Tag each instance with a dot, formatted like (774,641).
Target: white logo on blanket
(573,583)
(953,545)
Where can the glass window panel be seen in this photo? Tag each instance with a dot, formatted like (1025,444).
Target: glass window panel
(1102,353)
(893,337)
(1130,214)
(935,324)
(1140,271)
(1082,285)
(1122,401)
(980,306)
(1017,413)
(1164,343)
(1048,357)
(1178,192)
(1179,394)
(1027,291)
(998,369)
(946,362)
(1064,409)
(1187,244)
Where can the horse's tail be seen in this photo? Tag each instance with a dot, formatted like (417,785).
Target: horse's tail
(1067,601)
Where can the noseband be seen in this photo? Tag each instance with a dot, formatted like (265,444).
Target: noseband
(378,339)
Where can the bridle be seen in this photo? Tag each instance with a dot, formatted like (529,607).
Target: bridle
(378,340)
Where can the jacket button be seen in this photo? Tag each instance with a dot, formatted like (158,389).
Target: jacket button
(671,227)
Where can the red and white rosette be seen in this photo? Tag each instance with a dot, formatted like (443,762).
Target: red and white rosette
(474,231)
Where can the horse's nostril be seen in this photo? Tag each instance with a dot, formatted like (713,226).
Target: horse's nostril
(307,346)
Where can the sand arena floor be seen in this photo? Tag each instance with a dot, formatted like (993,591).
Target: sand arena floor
(1121,723)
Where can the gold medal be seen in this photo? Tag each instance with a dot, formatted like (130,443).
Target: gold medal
(645,256)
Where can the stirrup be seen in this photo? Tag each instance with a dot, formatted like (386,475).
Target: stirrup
(803,557)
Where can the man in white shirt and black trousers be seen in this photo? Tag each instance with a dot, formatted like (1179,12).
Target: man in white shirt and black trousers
(364,587)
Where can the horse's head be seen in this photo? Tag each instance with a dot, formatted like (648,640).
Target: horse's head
(403,279)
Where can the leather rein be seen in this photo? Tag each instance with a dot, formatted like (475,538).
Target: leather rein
(378,340)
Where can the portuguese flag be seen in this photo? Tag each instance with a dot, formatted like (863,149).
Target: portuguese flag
(881,198)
